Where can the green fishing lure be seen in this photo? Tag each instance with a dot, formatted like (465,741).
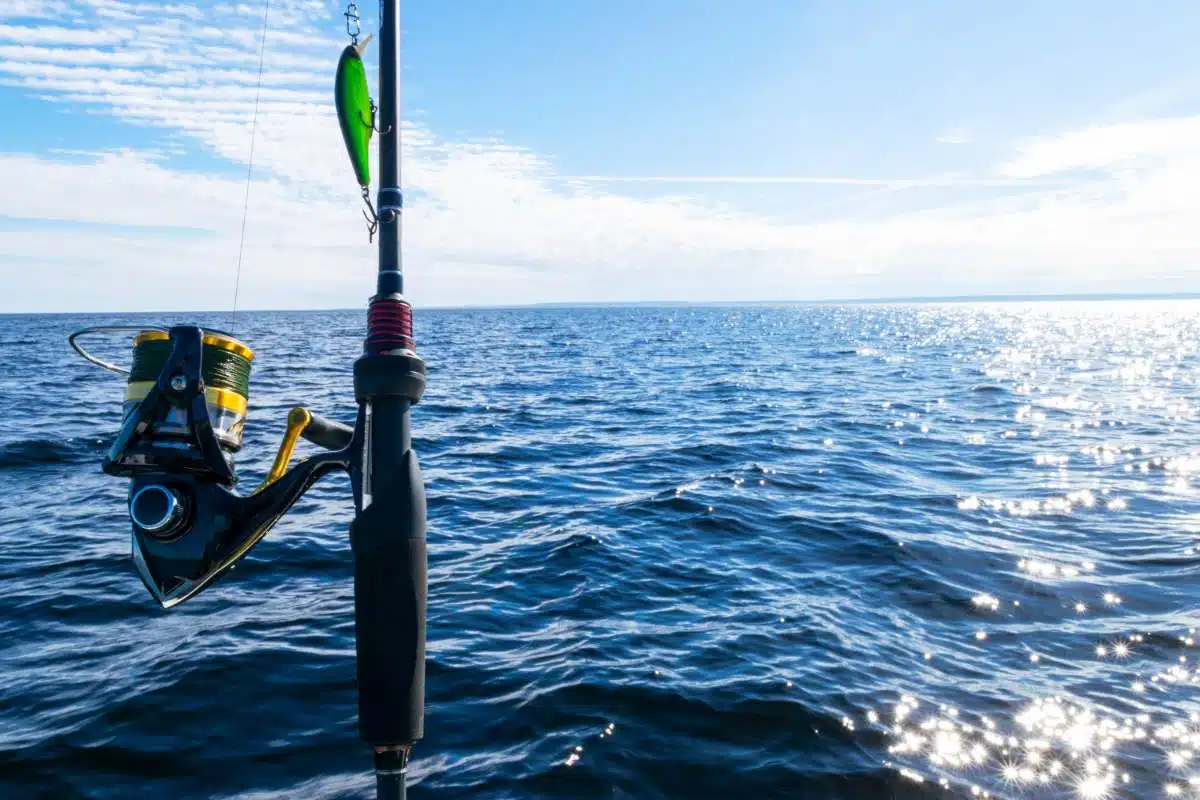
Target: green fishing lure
(354,110)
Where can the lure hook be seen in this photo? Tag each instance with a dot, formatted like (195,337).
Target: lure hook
(372,124)
(369,215)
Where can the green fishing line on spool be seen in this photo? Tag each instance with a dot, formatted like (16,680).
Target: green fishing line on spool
(223,368)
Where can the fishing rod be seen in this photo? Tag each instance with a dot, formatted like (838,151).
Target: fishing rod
(185,409)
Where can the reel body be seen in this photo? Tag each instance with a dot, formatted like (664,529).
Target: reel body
(184,413)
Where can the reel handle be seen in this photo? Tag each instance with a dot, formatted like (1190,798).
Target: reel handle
(327,433)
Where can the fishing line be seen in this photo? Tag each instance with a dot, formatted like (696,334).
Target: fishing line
(237,283)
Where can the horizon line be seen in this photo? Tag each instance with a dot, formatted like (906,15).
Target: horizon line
(898,300)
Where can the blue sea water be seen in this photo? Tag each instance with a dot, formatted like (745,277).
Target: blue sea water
(882,551)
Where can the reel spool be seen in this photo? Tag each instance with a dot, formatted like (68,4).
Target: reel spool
(186,397)
(226,376)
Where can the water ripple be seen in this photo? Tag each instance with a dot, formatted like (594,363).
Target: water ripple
(871,551)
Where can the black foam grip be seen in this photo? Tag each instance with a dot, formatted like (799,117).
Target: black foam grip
(327,433)
(388,539)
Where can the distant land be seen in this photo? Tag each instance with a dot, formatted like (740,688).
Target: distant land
(966,298)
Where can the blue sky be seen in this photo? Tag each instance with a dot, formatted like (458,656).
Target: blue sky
(616,150)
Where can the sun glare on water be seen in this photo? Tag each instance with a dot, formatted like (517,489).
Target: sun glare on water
(1103,691)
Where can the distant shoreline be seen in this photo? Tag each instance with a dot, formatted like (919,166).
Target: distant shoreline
(914,300)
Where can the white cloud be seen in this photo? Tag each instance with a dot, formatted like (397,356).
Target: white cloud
(955,136)
(810,180)
(32,9)
(491,222)
(1144,143)
(55,35)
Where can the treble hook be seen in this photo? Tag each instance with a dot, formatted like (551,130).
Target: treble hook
(372,124)
(372,218)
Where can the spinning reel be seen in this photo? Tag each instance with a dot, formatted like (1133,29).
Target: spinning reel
(182,426)
(184,412)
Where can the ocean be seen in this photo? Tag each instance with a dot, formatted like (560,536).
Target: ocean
(805,551)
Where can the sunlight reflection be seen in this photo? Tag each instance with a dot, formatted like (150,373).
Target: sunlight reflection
(1054,742)
(1082,407)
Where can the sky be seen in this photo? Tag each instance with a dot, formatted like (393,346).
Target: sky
(601,150)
